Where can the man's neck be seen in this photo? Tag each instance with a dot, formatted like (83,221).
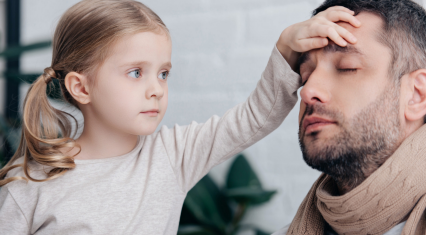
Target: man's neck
(345,183)
(345,186)
(348,182)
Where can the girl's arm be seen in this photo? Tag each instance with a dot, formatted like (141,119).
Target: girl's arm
(193,150)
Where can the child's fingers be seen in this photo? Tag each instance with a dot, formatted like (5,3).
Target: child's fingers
(335,37)
(335,16)
(339,8)
(345,34)
(328,31)
(312,43)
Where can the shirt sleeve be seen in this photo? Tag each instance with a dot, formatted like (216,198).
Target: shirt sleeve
(12,220)
(193,150)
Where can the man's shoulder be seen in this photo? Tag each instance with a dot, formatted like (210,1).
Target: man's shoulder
(284,230)
(397,230)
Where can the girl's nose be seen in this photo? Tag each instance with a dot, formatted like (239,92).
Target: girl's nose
(154,89)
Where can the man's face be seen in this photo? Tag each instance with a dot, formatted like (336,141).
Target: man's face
(350,112)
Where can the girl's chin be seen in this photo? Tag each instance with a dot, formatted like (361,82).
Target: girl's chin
(146,131)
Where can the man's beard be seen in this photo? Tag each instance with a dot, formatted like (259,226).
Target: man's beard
(363,144)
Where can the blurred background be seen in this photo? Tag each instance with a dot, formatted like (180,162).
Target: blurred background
(220,49)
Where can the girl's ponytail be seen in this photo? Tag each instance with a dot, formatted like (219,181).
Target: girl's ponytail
(46,133)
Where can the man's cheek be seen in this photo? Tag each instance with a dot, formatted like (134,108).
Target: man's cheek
(302,111)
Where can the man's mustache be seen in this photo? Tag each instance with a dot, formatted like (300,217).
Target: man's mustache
(320,110)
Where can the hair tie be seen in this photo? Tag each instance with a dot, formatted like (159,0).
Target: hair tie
(49,74)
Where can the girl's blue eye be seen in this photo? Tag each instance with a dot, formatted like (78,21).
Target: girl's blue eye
(135,73)
(163,75)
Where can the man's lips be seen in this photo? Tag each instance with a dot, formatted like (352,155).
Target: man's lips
(151,113)
(312,124)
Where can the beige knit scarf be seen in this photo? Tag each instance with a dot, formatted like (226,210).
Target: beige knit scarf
(393,193)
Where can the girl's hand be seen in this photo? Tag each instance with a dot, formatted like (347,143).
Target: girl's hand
(313,33)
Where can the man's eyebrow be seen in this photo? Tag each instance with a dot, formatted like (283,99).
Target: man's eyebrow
(302,59)
(330,48)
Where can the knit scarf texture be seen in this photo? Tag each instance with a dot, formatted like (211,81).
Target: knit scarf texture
(393,193)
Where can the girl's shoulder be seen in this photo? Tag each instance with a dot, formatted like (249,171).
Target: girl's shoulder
(36,170)
(22,188)
(21,196)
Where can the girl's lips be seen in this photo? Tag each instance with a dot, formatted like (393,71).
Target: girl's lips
(151,113)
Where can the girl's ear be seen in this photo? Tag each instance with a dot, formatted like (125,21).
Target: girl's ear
(415,108)
(78,86)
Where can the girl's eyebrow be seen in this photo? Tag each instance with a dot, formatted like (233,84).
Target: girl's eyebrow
(135,63)
(139,63)
(168,65)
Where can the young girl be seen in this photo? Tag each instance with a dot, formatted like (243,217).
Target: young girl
(112,60)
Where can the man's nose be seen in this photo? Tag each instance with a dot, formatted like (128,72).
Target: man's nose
(316,88)
(154,89)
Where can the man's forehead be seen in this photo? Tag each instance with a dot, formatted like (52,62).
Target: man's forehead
(367,35)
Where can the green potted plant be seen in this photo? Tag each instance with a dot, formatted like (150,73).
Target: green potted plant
(208,209)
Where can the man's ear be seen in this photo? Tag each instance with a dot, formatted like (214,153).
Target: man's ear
(415,108)
(78,86)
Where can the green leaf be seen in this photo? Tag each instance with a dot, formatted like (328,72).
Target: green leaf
(194,230)
(250,227)
(208,204)
(261,232)
(243,185)
(16,51)
(241,175)
(186,217)
(251,196)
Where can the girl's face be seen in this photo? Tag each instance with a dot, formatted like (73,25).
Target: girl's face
(130,94)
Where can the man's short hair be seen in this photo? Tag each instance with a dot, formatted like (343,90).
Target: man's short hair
(404,30)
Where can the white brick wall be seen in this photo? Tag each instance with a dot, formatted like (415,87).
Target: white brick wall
(220,48)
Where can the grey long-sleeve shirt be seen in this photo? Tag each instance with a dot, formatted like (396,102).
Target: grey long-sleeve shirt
(142,192)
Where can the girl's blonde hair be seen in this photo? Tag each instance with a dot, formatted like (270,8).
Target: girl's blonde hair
(81,43)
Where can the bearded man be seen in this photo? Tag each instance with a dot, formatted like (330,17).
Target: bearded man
(362,121)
